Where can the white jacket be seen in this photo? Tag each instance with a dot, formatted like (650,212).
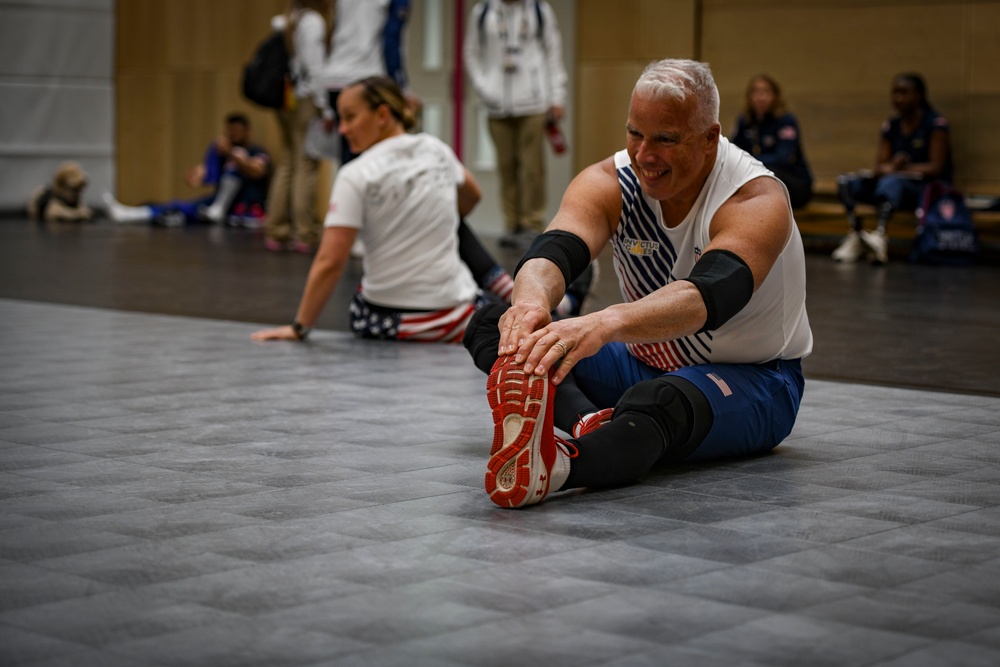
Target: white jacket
(537,80)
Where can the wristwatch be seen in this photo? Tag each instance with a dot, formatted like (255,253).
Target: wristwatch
(301,332)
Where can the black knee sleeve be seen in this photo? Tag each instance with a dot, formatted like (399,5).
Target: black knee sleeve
(677,406)
(482,335)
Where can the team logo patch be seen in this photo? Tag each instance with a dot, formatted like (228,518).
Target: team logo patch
(641,248)
(720,383)
(787,133)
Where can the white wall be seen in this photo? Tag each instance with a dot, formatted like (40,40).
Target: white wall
(56,94)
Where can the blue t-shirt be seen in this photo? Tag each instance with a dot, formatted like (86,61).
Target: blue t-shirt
(775,141)
(252,190)
(917,144)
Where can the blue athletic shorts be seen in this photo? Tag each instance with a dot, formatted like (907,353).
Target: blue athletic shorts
(753,405)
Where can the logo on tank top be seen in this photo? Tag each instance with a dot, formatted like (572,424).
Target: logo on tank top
(641,248)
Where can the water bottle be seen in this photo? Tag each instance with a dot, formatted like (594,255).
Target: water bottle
(555,136)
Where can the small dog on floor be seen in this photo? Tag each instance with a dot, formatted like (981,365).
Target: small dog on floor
(62,199)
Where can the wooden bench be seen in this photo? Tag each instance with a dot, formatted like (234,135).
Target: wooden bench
(823,224)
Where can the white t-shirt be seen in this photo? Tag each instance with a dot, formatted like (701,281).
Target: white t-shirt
(357,43)
(402,196)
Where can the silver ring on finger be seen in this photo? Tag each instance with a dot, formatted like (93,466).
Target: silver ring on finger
(561,344)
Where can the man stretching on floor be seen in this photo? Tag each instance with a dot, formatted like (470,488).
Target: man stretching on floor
(702,360)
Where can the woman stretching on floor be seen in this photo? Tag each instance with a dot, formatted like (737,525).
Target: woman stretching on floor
(405,197)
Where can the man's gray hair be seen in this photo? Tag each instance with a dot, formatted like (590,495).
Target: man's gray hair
(679,80)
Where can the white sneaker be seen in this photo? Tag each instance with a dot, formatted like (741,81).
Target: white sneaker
(123,214)
(851,249)
(878,244)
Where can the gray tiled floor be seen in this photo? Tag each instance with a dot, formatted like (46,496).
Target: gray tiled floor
(173,494)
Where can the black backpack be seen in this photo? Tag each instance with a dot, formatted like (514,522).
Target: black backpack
(265,76)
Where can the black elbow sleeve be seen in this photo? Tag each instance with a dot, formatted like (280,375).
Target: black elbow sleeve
(564,249)
(726,285)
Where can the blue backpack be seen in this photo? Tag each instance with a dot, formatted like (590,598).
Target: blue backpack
(945,231)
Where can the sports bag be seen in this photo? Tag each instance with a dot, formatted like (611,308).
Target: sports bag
(945,231)
(267,74)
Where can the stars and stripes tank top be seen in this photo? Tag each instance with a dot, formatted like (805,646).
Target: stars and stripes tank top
(648,255)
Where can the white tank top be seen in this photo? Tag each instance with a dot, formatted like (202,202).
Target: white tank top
(648,255)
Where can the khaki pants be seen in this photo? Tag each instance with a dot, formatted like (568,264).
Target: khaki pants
(520,144)
(291,200)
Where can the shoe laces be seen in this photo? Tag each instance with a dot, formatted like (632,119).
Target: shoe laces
(567,447)
(592,422)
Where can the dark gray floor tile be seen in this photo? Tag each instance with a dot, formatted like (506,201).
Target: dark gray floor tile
(624,565)
(24,585)
(263,588)
(73,503)
(544,639)
(982,522)
(23,647)
(142,563)
(947,654)
(46,539)
(689,506)
(808,524)
(985,637)
(512,589)
(950,490)
(929,543)
(226,503)
(105,619)
(793,640)
(776,488)
(47,433)
(984,448)
(20,458)
(404,613)
(165,521)
(678,655)
(855,566)
(720,544)
(909,612)
(890,506)
(854,475)
(976,584)
(14,486)
(240,643)
(760,589)
(642,613)
(879,436)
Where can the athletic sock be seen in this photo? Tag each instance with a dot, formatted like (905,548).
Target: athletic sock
(499,282)
(229,186)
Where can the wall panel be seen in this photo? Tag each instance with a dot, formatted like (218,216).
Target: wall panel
(56,94)
(834,58)
(179,66)
(616,40)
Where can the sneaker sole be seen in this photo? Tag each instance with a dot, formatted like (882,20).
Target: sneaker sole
(517,474)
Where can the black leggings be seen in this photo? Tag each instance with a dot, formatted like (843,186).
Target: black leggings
(658,420)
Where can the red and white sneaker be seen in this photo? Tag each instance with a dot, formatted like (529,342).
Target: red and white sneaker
(527,460)
(592,422)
